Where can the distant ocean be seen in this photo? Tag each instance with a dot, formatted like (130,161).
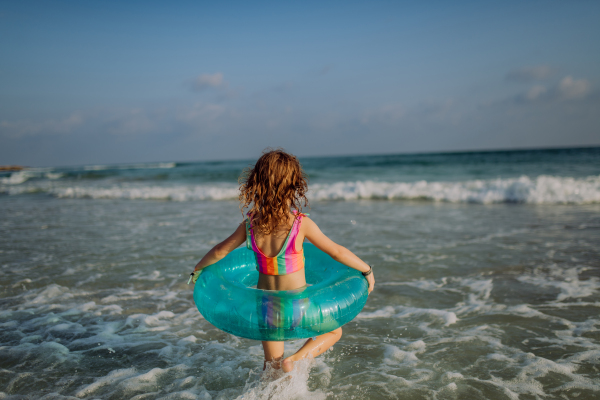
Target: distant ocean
(487,267)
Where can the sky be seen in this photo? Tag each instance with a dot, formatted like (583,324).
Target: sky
(88,82)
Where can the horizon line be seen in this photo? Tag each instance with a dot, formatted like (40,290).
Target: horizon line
(408,153)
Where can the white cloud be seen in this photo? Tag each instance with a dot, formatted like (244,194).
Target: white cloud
(529,74)
(569,88)
(208,81)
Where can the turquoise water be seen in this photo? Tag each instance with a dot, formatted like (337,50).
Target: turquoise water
(488,280)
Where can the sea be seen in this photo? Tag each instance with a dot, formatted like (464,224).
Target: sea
(487,268)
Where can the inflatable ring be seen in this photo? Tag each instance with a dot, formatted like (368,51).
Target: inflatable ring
(226,295)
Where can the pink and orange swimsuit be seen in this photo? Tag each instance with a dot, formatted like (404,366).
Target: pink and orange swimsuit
(288,260)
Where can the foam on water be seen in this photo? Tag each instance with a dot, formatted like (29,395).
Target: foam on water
(565,280)
(53,331)
(132,192)
(275,384)
(130,166)
(19,177)
(539,190)
(16,178)
(94,304)
(181,193)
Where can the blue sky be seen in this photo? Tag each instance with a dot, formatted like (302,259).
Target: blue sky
(134,81)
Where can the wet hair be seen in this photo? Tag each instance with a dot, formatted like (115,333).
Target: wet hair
(268,190)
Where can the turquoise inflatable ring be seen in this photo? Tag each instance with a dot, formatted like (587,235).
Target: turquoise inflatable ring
(226,295)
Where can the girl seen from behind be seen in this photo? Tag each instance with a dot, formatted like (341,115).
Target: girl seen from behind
(274,192)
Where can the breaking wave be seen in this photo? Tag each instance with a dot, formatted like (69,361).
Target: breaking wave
(543,189)
(17,178)
(130,166)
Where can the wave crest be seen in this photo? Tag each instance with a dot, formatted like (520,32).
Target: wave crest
(176,193)
(541,190)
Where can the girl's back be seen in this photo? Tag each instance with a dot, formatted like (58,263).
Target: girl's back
(271,245)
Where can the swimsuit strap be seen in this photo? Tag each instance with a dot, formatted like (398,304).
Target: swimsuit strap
(295,230)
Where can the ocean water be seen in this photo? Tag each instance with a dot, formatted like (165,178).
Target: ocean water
(487,267)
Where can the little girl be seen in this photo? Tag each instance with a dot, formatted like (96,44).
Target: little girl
(274,191)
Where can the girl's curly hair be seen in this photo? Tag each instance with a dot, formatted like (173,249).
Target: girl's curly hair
(275,183)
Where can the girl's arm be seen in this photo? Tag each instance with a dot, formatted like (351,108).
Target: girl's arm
(337,252)
(222,249)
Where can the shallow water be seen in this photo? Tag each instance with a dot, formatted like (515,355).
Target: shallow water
(490,301)
(487,268)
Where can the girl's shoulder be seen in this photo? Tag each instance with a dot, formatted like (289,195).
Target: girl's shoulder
(306,223)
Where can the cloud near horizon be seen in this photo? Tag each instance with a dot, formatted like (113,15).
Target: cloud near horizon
(255,120)
(250,112)
(567,89)
(208,81)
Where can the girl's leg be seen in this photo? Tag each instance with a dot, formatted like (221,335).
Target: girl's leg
(273,353)
(312,348)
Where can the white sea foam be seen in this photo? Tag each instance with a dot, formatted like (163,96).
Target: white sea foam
(447,317)
(110,379)
(565,280)
(396,356)
(130,166)
(190,366)
(274,384)
(54,175)
(540,190)
(177,193)
(16,178)
(19,177)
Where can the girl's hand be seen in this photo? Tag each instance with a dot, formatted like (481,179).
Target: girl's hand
(194,276)
(371,280)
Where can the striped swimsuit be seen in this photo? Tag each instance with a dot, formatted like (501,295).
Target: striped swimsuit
(287,261)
